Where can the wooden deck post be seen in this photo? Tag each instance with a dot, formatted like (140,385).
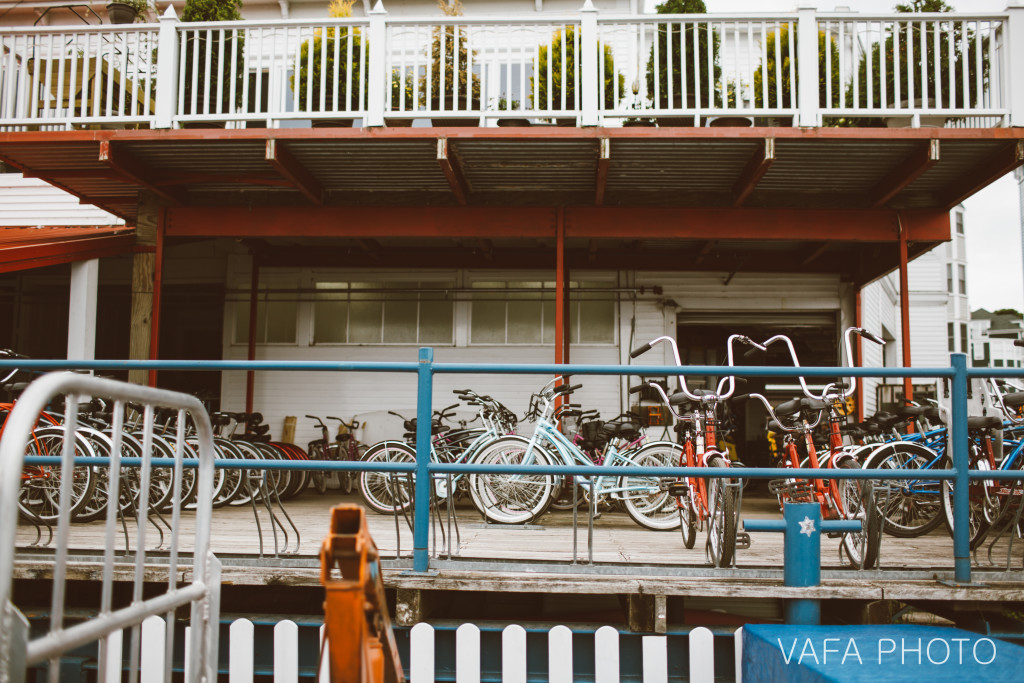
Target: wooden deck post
(908,383)
(647,613)
(143,278)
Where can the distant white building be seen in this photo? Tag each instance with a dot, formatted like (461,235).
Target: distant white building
(992,339)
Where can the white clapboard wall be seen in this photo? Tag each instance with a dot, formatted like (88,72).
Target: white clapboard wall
(241,633)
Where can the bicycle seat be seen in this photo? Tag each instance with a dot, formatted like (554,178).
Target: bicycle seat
(1014,399)
(800,404)
(986,422)
(910,411)
(886,421)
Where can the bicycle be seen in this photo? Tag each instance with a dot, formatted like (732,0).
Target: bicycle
(521,498)
(702,501)
(839,498)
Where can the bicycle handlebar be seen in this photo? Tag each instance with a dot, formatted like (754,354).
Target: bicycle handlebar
(640,350)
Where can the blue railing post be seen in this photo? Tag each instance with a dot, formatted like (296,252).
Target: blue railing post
(961,491)
(802,560)
(424,414)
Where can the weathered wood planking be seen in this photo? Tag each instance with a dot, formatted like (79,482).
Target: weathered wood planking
(616,540)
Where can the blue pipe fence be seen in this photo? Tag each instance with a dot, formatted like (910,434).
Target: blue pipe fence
(425,368)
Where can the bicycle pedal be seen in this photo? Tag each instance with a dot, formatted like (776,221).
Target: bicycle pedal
(678,489)
(778,487)
(742,540)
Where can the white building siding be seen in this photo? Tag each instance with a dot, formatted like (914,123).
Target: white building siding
(30,202)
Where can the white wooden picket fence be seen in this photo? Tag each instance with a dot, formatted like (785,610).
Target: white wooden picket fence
(467,654)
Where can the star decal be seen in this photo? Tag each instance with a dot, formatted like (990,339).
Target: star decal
(807,526)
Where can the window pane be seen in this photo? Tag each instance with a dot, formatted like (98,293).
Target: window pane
(280,321)
(330,318)
(488,325)
(574,322)
(524,322)
(364,322)
(549,322)
(400,321)
(597,322)
(241,322)
(436,322)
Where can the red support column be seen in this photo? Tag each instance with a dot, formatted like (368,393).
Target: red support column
(859,322)
(908,382)
(561,297)
(250,376)
(158,277)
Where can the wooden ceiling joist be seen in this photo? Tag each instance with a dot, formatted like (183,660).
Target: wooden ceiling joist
(912,168)
(288,166)
(133,171)
(603,161)
(452,172)
(985,173)
(755,169)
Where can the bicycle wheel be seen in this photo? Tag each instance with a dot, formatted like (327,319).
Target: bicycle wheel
(387,492)
(39,495)
(912,507)
(861,547)
(645,502)
(721,543)
(687,521)
(979,515)
(318,477)
(511,498)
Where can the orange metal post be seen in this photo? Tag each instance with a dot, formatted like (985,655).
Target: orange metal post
(859,397)
(250,376)
(561,297)
(908,383)
(360,642)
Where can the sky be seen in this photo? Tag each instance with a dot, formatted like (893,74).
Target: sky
(995,277)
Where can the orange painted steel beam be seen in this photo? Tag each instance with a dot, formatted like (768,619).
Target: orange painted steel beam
(362,221)
(561,296)
(361,644)
(603,162)
(814,254)
(985,173)
(912,168)
(452,172)
(755,169)
(858,317)
(908,387)
(288,166)
(26,257)
(509,133)
(839,225)
(131,169)
(250,376)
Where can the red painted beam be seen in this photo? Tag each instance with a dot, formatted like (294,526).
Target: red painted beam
(908,386)
(362,221)
(985,173)
(288,166)
(755,169)
(603,162)
(53,253)
(452,172)
(158,284)
(826,225)
(912,168)
(132,170)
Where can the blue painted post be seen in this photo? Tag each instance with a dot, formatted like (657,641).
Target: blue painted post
(961,491)
(802,556)
(424,415)
(802,528)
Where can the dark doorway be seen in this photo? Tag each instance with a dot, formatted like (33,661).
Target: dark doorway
(702,340)
(191,328)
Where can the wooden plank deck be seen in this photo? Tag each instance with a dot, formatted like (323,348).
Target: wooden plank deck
(539,557)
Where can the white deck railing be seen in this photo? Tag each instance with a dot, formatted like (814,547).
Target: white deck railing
(802,67)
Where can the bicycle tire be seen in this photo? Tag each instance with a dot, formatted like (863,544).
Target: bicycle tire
(978,517)
(39,494)
(914,506)
(687,522)
(511,498)
(645,502)
(855,495)
(384,492)
(721,541)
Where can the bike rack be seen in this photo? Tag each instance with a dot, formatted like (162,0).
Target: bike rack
(17,649)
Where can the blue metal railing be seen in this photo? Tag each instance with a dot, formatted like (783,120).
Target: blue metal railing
(425,368)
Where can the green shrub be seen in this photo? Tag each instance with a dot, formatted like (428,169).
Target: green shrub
(194,55)
(698,41)
(551,55)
